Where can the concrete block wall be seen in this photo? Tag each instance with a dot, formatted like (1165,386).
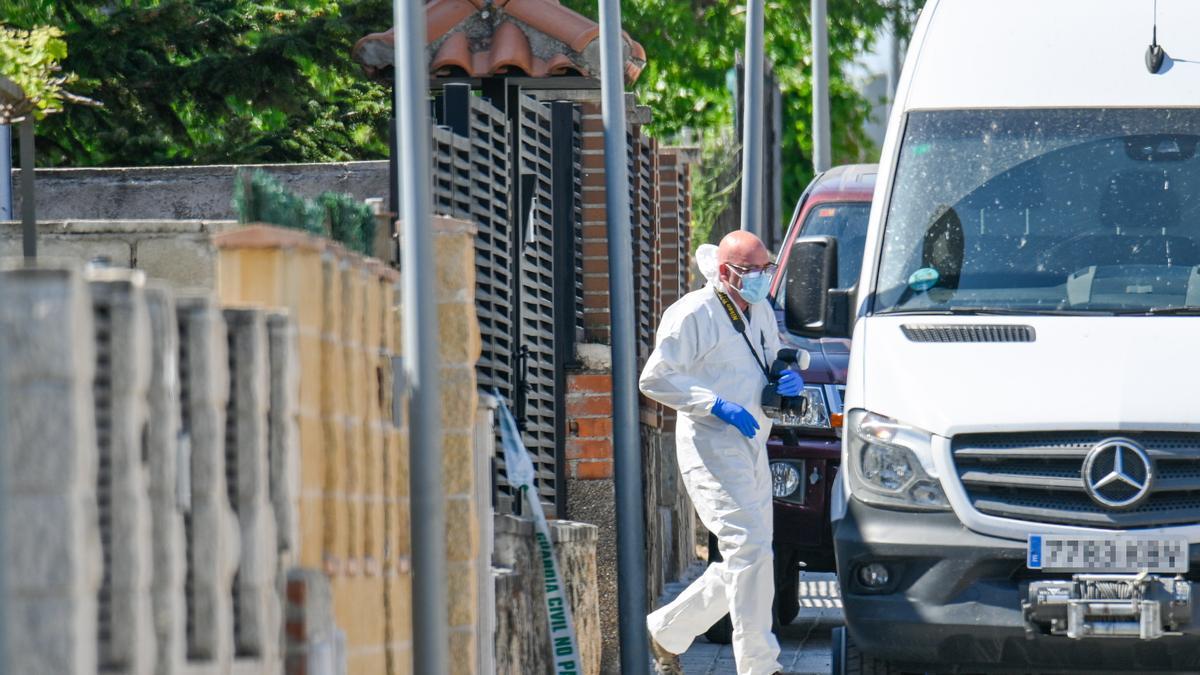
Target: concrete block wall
(52,553)
(353,515)
(168,496)
(283,441)
(177,251)
(214,543)
(461,344)
(349,487)
(255,600)
(124,545)
(121,326)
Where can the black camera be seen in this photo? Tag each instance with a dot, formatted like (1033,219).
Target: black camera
(774,405)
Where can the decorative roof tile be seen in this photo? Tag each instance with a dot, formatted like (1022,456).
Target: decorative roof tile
(483,38)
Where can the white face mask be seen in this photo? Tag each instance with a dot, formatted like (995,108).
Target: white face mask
(755,286)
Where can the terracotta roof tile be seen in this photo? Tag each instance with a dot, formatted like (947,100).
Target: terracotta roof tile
(539,38)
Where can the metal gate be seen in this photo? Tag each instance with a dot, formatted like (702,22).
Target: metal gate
(495,166)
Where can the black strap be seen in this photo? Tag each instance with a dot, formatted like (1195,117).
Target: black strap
(739,325)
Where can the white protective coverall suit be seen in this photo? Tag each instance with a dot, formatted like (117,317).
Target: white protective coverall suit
(698,357)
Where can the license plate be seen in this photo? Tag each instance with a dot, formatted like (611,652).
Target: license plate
(1059,553)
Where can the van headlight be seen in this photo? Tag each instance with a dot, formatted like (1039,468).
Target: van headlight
(885,467)
(816,411)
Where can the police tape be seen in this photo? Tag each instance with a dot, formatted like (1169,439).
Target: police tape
(564,646)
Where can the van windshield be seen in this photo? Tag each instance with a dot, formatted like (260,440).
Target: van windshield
(1045,211)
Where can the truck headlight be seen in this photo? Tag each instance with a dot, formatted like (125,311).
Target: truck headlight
(785,479)
(816,414)
(885,468)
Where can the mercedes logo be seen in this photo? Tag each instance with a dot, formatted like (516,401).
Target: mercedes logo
(1118,473)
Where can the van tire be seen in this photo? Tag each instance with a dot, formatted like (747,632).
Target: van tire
(849,660)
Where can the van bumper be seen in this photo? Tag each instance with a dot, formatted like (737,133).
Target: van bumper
(953,600)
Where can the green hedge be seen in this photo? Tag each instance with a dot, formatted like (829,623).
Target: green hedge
(260,198)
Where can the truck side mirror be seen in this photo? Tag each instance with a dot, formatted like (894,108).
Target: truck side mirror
(811,307)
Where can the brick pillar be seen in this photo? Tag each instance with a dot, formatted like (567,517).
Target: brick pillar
(53,559)
(170,562)
(121,328)
(596,318)
(255,604)
(590,489)
(212,528)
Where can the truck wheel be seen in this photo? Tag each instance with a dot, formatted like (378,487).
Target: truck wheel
(848,660)
(787,597)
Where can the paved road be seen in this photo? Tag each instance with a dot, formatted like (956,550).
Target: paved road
(805,642)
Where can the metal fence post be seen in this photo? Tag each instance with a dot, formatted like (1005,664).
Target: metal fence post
(28,216)
(820,39)
(5,467)
(430,634)
(627,446)
(752,121)
(5,172)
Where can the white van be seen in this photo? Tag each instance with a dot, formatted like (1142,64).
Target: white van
(1021,457)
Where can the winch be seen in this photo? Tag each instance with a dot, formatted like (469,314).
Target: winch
(1143,606)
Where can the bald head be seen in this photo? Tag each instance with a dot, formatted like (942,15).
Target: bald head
(742,248)
(739,249)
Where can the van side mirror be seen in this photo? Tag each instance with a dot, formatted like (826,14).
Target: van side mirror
(811,306)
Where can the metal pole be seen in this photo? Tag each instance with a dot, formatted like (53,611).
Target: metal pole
(627,445)
(820,38)
(752,121)
(894,66)
(5,172)
(4,471)
(28,217)
(430,635)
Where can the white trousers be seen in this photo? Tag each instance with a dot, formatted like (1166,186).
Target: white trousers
(731,490)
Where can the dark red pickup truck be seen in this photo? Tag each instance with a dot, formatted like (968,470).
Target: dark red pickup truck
(805,452)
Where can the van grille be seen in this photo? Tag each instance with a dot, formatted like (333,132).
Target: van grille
(1038,477)
(968,333)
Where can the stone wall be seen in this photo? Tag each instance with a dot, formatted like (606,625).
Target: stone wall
(185,192)
(522,628)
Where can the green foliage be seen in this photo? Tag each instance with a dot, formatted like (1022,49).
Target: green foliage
(214,81)
(714,181)
(691,46)
(351,221)
(245,81)
(31,59)
(260,198)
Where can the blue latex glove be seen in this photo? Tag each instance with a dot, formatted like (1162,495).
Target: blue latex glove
(735,415)
(791,383)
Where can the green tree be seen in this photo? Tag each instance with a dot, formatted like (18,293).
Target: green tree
(29,60)
(238,81)
(213,81)
(692,44)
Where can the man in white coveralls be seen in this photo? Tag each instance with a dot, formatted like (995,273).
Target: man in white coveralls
(711,361)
